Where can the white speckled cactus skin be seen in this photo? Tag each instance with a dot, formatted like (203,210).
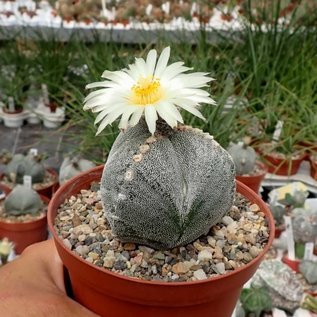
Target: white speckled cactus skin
(166,190)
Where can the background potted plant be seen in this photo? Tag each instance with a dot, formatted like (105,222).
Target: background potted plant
(43,179)
(304,227)
(313,166)
(284,156)
(13,87)
(72,166)
(249,171)
(51,69)
(131,190)
(23,217)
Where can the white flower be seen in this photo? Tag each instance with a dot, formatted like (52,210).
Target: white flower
(5,247)
(150,88)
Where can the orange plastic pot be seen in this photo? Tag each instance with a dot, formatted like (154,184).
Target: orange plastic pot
(313,169)
(282,167)
(23,234)
(293,264)
(45,191)
(254,181)
(112,295)
(278,231)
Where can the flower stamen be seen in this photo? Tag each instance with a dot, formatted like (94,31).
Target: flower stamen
(147,91)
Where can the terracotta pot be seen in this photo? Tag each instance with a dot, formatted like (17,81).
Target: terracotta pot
(279,166)
(23,234)
(254,181)
(45,191)
(112,295)
(279,230)
(293,264)
(282,167)
(313,169)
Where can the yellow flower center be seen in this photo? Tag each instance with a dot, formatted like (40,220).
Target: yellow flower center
(147,91)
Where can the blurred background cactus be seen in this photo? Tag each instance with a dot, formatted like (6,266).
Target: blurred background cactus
(305,226)
(309,270)
(22,200)
(72,166)
(78,10)
(244,156)
(21,165)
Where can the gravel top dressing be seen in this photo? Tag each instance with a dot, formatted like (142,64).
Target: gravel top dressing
(235,241)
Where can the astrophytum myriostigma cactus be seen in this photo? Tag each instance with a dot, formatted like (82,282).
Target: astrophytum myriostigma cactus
(22,165)
(244,157)
(166,190)
(22,200)
(72,166)
(164,184)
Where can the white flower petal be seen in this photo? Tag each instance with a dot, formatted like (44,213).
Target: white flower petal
(125,117)
(150,118)
(150,62)
(105,83)
(165,113)
(169,108)
(190,81)
(193,111)
(109,119)
(173,70)
(162,62)
(193,92)
(95,93)
(118,77)
(200,99)
(107,111)
(109,98)
(141,66)
(133,72)
(136,116)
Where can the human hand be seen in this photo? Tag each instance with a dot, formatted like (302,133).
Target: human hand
(33,286)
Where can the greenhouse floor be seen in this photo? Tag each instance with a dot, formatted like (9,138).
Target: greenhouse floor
(53,143)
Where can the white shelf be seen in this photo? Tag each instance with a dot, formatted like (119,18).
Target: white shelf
(303,175)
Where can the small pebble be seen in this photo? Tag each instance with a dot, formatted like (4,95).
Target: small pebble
(200,275)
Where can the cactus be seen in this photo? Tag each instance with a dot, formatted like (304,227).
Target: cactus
(22,200)
(305,226)
(21,165)
(166,190)
(78,9)
(309,270)
(278,213)
(244,157)
(164,184)
(71,167)
(255,300)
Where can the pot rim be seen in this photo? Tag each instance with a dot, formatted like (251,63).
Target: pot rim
(243,189)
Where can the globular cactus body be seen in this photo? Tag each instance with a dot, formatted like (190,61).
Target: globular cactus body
(309,270)
(71,167)
(21,165)
(22,200)
(166,190)
(305,226)
(244,157)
